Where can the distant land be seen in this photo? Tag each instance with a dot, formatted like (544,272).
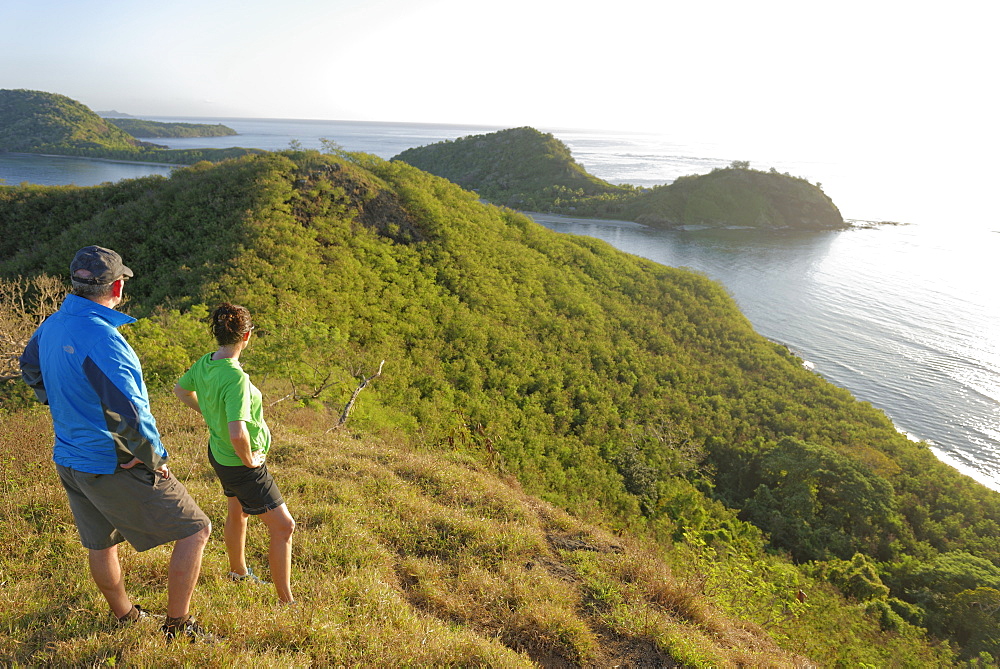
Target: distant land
(526,169)
(141,128)
(521,168)
(49,123)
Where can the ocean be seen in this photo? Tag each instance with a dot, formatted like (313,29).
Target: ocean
(904,316)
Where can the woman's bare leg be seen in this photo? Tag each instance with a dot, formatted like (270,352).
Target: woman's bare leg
(280,526)
(235,534)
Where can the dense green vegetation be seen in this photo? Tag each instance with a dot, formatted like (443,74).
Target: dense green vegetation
(527,170)
(520,168)
(633,394)
(736,196)
(32,121)
(37,122)
(143,128)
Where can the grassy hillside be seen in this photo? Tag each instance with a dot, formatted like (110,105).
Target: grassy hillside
(401,557)
(408,556)
(527,170)
(631,394)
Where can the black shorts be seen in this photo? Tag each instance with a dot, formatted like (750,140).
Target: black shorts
(254,487)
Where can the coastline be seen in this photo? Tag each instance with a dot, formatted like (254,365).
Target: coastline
(540,217)
(101,160)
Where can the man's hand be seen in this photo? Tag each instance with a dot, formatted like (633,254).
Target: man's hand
(162,471)
(131,463)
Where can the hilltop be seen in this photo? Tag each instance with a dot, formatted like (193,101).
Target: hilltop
(32,121)
(590,383)
(49,123)
(520,168)
(525,169)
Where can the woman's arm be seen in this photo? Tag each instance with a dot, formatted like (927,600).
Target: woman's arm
(240,439)
(188,397)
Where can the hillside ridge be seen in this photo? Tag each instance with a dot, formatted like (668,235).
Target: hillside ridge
(619,390)
(32,121)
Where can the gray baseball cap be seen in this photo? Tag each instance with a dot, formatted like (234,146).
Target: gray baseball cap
(97,265)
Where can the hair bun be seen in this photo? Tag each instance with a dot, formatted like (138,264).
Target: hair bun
(229,322)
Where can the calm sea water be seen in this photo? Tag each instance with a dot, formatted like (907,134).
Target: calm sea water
(905,317)
(61,171)
(900,316)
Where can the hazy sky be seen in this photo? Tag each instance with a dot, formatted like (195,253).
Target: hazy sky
(867,78)
(790,68)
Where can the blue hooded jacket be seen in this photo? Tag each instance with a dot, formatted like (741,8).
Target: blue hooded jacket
(81,366)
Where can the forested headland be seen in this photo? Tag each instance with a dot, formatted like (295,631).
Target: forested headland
(740,510)
(151,129)
(533,171)
(49,123)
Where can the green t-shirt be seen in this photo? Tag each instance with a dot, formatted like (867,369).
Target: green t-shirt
(225,394)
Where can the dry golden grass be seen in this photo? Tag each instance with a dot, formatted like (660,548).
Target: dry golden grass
(401,557)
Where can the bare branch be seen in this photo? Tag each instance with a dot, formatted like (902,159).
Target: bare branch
(288,396)
(354,396)
(24,304)
(326,383)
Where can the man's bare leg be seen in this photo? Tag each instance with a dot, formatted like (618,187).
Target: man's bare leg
(106,571)
(185,565)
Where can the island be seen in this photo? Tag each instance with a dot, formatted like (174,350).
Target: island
(529,170)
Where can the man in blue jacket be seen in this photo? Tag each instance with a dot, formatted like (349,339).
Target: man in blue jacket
(107,449)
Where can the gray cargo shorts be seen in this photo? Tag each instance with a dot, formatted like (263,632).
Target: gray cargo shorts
(135,505)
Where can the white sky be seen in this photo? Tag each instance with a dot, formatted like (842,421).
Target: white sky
(652,64)
(915,80)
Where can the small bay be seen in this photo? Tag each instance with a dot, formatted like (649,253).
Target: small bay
(61,171)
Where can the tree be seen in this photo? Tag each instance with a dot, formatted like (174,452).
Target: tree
(973,619)
(332,147)
(24,304)
(819,504)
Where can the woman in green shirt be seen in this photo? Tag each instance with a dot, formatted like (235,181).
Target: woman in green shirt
(239,441)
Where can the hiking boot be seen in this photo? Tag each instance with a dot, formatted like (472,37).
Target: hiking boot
(135,614)
(247,577)
(187,627)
